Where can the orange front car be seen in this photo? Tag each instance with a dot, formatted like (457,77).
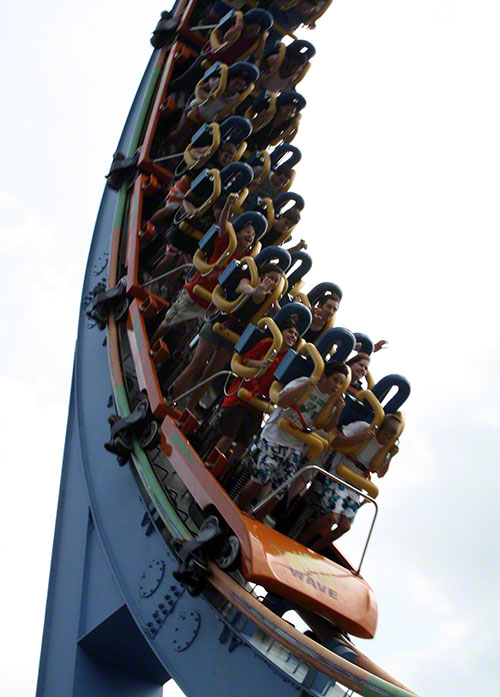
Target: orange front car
(278,563)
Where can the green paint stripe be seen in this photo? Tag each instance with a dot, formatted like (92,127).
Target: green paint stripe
(144,110)
(378,687)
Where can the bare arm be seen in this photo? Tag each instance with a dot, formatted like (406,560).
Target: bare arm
(226,214)
(289,395)
(332,423)
(342,441)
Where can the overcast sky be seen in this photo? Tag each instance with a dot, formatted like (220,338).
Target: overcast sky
(400,174)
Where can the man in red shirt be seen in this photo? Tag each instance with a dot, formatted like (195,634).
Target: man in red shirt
(188,305)
(240,420)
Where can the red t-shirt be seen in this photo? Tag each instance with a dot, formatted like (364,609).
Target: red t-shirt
(258,386)
(209,281)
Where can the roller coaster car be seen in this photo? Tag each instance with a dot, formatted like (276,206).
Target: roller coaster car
(282,565)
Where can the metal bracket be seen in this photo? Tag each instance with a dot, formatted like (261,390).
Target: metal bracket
(138,423)
(165,30)
(193,555)
(121,170)
(105,301)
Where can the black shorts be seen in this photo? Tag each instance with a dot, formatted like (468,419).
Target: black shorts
(240,423)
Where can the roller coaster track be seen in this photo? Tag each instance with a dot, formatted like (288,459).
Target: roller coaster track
(117,623)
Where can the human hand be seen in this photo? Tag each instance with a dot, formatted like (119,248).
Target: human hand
(264,363)
(231,199)
(368,435)
(266,286)
(394,450)
(313,380)
(380,345)
(340,403)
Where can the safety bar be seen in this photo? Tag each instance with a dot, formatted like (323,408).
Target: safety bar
(164,275)
(300,472)
(199,384)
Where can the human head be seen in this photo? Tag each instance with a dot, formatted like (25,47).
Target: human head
(333,377)
(359,365)
(290,334)
(291,64)
(389,428)
(235,84)
(281,176)
(308,7)
(286,111)
(256,21)
(246,235)
(272,273)
(287,220)
(328,305)
(226,153)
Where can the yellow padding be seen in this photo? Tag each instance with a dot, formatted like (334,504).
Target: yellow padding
(314,441)
(319,364)
(200,99)
(273,297)
(203,266)
(376,421)
(260,404)
(225,333)
(216,190)
(196,163)
(216,41)
(229,306)
(244,371)
(326,413)
(202,293)
(289,133)
(264,117)
(357,480)
(236,102)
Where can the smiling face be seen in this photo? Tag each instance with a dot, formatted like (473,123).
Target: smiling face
(226,154)
(359,369)
(290,336)
(271,280)
(246,235)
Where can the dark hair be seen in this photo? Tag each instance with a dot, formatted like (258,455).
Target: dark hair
(269,267)
(327,296)
(292,214)
(391,417)
(290,324)
(225,143)
(332,367)
(357,358)
(283,169)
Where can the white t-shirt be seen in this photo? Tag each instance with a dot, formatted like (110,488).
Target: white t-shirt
(309,411)
(364,456)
